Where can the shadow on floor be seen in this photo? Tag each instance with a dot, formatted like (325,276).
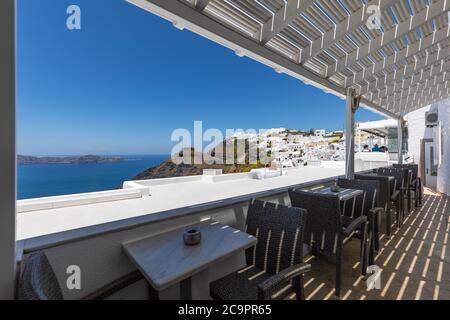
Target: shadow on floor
(415,262)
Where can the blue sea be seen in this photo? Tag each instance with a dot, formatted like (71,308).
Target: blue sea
(43,180)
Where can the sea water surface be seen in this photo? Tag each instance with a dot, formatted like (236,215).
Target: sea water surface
(43,180)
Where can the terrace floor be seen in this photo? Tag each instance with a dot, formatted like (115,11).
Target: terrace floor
(415,262)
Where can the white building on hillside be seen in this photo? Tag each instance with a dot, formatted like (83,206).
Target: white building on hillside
(320,133)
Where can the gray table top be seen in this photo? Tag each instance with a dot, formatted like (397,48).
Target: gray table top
(344,194)
(375,175)
(165,260)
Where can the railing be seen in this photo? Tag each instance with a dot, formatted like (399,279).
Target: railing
(202,210)
(96,247)
(55,202)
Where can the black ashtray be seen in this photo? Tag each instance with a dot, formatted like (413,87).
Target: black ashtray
(192,236)
(335,188)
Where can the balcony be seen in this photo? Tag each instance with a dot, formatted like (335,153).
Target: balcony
(413,261)
(168,198)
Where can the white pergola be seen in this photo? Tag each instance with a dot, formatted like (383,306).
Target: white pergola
(397,65)
(391,56)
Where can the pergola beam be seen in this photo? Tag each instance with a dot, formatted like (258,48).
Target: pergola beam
(191,19)
(425,101)
(411,88)
(341,29)
(443,94)
(403,74)
(409,85)
(409,51)
(405,104)
(400,81)
(426,97)
(416,90)
(422,90)
(200,5)
(377,109)
(432,11)
(282,18)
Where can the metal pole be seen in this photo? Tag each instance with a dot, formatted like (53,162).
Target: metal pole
(8,149)
(352,105)
(400,140)
(359,142)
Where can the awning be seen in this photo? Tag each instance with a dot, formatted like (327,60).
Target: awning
(378,128)
(398,63)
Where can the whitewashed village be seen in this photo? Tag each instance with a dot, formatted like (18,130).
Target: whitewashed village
(292,148)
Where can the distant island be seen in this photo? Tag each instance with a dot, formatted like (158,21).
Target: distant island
(87,159)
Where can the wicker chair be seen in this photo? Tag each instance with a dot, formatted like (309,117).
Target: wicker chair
(405,184)
(327,231)
(397,190)
(275,265)
(384,198)
(416,182)
(39,282)
(367,205)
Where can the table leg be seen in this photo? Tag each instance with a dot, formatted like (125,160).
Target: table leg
(186,289)
(195,287)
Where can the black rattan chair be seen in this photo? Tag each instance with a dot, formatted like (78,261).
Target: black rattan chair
(39,282)
(406,186)
(327,231)
(416,183)
(275,265)
(397,190)
(384,198)
(367,205)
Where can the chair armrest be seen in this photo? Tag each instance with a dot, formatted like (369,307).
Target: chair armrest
(374,215)
(354,225)
(115,286)
(265,288)
(419,181)
(376,210)
(395,195)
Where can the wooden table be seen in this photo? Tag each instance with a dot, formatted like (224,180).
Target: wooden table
(165,260)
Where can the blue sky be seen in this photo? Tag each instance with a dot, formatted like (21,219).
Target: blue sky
(127,79)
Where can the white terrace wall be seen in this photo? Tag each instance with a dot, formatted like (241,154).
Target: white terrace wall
(443,182)
(102,260)
(418,131)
